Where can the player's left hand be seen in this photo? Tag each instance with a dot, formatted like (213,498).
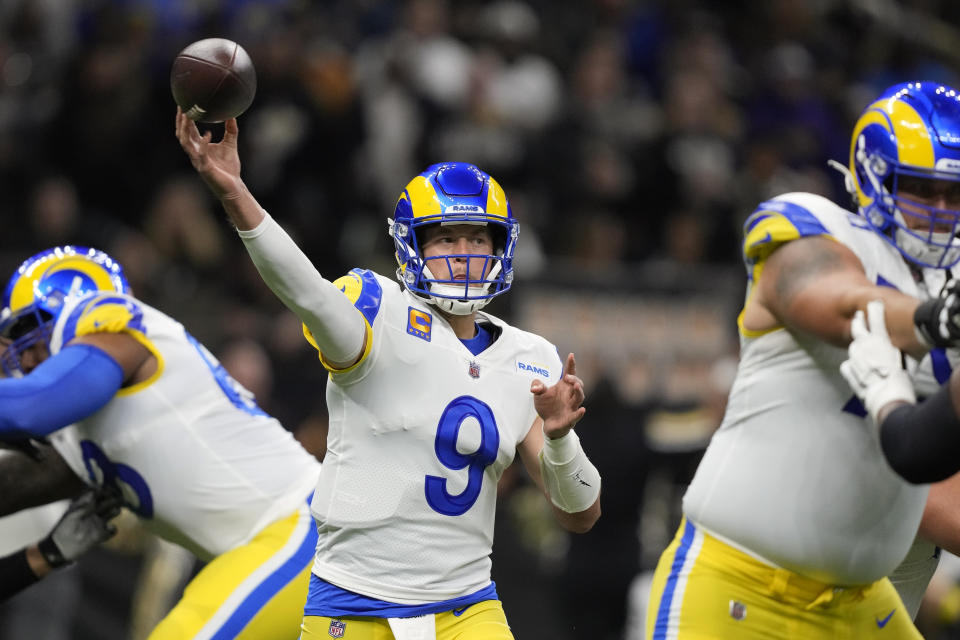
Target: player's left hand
(874,369)
(218,163)
(559,406)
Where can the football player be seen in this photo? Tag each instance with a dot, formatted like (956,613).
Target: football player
(160,421)
(795,516)
(430,399)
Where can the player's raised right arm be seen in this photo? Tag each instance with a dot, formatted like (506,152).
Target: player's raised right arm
(337,326)
(815,285)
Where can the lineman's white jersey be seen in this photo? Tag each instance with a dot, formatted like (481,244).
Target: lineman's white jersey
(420,432)
(795,473)
(195,457)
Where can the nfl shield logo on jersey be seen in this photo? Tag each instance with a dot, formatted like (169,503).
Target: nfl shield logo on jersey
(474,370)
(337,627)
(738,610)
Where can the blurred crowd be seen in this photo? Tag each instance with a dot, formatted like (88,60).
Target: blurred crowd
(632,138)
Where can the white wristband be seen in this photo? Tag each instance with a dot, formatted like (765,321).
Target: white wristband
(571,479)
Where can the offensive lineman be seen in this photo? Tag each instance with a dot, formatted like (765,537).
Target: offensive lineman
(162,423)
(794,516)
(429,402)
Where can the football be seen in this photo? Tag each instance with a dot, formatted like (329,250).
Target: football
(213,80)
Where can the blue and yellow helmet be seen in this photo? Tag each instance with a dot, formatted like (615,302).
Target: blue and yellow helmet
(910,135)
(37,292)
(447,194)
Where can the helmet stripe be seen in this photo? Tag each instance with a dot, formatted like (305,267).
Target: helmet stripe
(913,137)
(423,198)
(496,199)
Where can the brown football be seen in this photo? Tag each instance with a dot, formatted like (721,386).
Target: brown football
(213,80)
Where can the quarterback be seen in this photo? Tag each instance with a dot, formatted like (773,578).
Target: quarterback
(430,399)
(163,424)
(795,516)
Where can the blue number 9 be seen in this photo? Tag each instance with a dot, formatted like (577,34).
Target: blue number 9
(445,445)
(105,472)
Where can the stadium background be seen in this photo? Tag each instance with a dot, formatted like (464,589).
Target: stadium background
(631,137)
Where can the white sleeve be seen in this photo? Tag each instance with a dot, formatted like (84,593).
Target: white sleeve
(337,326)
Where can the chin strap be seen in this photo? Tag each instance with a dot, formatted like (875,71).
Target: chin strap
(848,182)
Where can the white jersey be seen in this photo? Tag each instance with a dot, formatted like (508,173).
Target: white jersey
(194,456)
(795,474)
(420,432)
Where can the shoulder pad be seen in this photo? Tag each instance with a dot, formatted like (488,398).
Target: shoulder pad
(776,222)
(103,313)
(363,290)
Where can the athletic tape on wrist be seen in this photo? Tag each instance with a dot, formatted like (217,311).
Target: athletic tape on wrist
(571,479)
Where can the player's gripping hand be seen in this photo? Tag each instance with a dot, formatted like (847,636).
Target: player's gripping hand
(938,320)
(218,163)
(85,524)
(874,368)
(559,405)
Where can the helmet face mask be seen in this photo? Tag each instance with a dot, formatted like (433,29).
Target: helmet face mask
(454,194)
(905,161)
(29,328)
(39,290)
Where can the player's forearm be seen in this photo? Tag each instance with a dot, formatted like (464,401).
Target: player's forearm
(941,518)
(64,389)
(33,481)
(899,316)
(242,208)
(572,482)
(20,570)
(335,323)
(38,564)
(922,441)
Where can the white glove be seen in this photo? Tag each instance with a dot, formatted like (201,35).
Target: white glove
(874,369)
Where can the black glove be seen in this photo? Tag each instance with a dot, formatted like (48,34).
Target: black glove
(85,524)
(938,319)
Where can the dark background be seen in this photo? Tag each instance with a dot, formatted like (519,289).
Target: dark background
(632,138)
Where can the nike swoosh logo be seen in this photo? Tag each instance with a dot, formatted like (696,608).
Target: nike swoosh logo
(459,612)
(882,622)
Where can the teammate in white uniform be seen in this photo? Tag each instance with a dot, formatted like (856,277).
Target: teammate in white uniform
(794,516)
(429,401)
(160,420)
